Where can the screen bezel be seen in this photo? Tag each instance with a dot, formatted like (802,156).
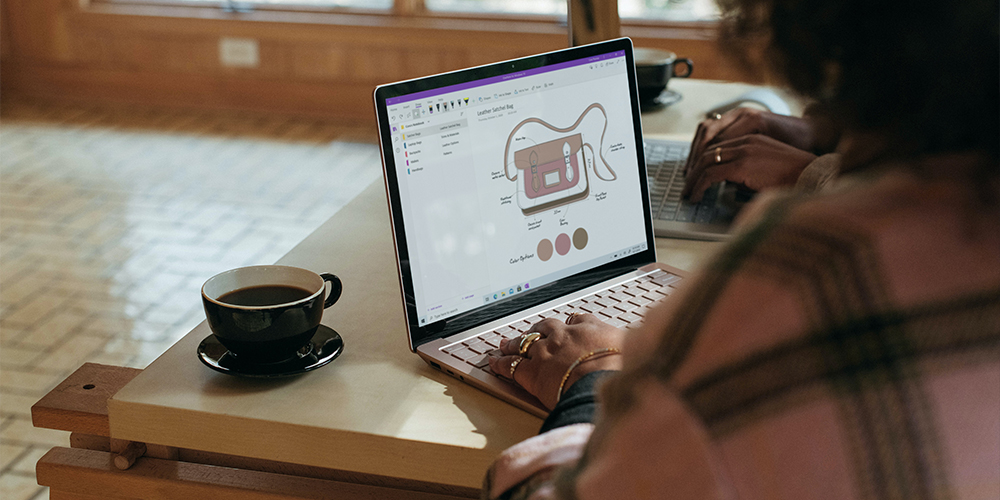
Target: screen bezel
(456,324)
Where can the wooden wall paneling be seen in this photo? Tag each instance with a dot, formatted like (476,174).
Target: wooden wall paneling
(350,101)
(92,49)
(196,55)
(38,29)
(308,64)
(5,44)
(318,60)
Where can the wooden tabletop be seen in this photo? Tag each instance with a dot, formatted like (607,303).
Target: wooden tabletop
(378,408)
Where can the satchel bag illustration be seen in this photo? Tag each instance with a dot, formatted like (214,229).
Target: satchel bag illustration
(554,173)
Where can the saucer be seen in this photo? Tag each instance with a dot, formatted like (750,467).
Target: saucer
(664,99)
(321,349)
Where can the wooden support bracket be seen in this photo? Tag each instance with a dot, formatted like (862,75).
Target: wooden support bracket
(90,472)
(80,403)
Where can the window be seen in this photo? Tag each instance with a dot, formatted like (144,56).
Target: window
(665,10)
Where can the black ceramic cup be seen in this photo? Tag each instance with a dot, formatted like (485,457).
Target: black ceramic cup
(653,70)
(264,314)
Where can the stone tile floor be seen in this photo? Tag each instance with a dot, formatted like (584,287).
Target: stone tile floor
(111,219)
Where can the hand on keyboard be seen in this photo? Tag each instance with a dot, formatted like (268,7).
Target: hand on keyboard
(543,366)
(754,161)
(750,147)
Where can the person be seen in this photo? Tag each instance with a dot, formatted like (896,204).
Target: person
(846,343)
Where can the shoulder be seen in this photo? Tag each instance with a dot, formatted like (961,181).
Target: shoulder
(873,245)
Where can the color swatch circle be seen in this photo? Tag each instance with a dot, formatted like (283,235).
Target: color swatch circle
(580,238)
(562,244)
(545,250)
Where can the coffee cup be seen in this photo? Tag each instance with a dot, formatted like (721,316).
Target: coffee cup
(653,70)
(265,314)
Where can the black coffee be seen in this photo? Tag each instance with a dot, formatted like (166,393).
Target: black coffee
(264,295)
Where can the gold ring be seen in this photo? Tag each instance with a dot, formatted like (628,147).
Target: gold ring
(718,155)
(571,316)
(716,116)
(526,340)
(513,366)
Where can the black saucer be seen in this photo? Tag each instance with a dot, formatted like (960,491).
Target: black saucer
(664,99)
(322,349)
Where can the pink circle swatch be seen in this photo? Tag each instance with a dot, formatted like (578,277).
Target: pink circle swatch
(562,244)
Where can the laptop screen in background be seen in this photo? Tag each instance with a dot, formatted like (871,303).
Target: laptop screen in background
(512,182)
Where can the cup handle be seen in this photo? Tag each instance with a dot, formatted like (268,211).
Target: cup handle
(687,62)
(336,288)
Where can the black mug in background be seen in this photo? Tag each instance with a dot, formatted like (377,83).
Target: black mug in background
(653,70)
(264,314)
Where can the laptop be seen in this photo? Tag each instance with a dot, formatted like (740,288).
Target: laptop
(518,191)
(675,217)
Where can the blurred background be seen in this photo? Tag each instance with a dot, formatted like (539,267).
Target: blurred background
(146,145)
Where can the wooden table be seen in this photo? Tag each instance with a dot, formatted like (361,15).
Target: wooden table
(377,422)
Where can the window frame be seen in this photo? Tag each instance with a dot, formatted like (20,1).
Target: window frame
(414,10)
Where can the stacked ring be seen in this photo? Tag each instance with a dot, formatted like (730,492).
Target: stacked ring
(716,116)
(526,340)
(571,317)
(718,155)
(513,366)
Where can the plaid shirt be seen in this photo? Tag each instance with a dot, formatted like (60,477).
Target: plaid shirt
(845,347)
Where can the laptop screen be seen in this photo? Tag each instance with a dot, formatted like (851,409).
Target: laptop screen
(514,178)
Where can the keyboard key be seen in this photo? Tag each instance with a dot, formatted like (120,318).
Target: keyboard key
(621,296)
(502,330)
(618,289)
(577,304)
(522,326)
(509,334)
(478,361)
(667,215)
(616,322)
(704,214)
(627,306)
(630,317)
(685,214)
(452,348)
(607,312)
(607,301)
(492,339)
(591,307)
(666,279)
(464,353)
(480,347)
(639,301)
(654,296)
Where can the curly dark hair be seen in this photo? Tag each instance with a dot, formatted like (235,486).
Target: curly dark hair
(923,76)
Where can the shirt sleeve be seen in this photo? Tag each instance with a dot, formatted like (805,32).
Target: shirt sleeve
(578,404)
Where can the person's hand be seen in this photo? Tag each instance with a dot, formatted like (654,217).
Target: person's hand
(546,361)
(743,122)
(755,161)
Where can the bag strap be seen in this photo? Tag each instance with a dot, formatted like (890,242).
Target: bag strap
(506,149)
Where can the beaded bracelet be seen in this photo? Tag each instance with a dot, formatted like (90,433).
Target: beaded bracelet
(578,362)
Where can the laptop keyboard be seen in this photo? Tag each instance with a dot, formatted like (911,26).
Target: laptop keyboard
(665,170)
(622,306)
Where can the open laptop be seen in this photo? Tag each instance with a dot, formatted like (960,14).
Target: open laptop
(518,191)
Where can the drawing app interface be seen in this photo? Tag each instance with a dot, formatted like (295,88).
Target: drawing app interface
(513,182)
